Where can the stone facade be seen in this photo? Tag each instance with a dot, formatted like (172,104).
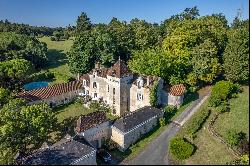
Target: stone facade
(97,135)
(120,89)
(126,136)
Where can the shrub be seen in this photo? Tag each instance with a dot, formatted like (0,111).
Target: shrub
(180,148)
(52,38)
(223,107)
(233,137)
(153,95)
(197,122)
(244,160)
(162,121)
(221,91)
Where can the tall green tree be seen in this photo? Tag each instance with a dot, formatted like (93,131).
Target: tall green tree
(4,96)
(236,56)
(23,125)
(205,62)
(83,23)
(14,72)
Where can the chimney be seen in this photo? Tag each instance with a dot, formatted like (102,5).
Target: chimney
(68,137)
(44,145)
(78,76)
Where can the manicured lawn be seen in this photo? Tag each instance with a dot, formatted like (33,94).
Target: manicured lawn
(209,150)
(70,111)
(238,117)
(57,60)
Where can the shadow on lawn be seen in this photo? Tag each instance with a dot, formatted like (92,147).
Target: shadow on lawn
(56,58)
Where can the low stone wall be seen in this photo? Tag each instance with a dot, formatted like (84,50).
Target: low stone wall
(89,159)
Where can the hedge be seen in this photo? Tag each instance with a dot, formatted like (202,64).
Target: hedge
(197,122)
(180,148)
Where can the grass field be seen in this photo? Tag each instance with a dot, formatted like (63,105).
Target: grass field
(210,151)
(238,117)
(57,61)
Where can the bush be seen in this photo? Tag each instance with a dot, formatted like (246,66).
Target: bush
(162,122)
(221,91)
(223,107)
(180,148)
(153,95)
(197,122)
(52,38)
(233,137)
(244,160)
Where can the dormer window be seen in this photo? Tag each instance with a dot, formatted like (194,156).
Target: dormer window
(108,88)
(94,85)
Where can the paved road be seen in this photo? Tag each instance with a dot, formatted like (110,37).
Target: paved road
(156,152)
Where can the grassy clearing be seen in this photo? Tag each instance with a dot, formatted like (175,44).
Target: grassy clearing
(57,60)
(237,118)
(209,150)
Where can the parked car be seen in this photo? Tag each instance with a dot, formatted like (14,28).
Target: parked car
(104,155)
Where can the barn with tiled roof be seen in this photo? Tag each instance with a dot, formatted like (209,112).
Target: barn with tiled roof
(53,95)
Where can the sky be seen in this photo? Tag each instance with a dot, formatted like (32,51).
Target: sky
(55,13)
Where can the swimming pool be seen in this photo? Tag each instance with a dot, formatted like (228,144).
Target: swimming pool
(35,85)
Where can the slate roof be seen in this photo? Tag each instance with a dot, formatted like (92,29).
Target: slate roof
(119,69)
(65,153)
(50,91)
(135,118)
(90,120)
(177,90)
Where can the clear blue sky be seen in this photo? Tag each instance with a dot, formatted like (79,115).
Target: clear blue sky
(63,12)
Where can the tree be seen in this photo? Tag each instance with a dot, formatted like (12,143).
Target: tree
(4,96)
(236,56)
(23,125)
(83,23)
(16,46)
(14,72)
(205,62)
(58,35)
(82,54)
(153,95)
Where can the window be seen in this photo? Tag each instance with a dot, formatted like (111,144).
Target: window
(94,85)
(95,95)
(87,92)
(84,82)
(113,100)
(139,84)
(114,91)
(108,88)
(139,97)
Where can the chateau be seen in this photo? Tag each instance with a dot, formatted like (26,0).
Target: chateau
(125,91)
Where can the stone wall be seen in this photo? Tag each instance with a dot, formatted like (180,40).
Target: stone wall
(97,133)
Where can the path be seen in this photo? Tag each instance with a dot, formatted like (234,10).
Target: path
(156,152)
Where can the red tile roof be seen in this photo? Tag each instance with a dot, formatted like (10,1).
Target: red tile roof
(177,90)
(84,77)
(119,69)
(90,120)
(50,91)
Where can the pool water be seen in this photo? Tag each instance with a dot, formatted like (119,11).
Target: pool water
(35,85)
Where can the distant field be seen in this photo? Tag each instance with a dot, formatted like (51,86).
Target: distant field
(57,58)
